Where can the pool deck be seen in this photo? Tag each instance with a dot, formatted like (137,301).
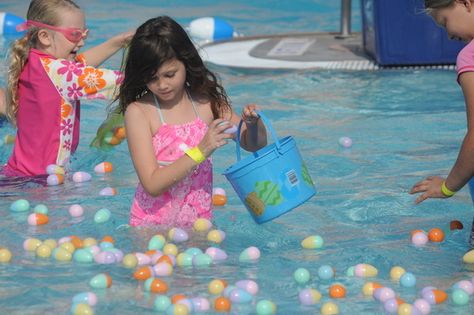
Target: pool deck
(295,51)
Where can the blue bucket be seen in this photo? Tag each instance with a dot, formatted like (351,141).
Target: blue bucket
(273,180)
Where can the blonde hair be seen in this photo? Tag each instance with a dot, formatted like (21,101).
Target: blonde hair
(44,11)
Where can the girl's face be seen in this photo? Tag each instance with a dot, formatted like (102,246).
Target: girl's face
(58,45)
(168,82)
(458,20)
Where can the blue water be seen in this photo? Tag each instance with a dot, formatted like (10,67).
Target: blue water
(405,125)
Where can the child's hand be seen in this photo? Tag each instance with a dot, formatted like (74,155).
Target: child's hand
(249,114)
(123,39)
(430,187)
(215,136)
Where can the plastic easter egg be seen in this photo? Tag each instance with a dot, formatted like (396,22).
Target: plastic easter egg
(178,235)
(156,285)
(55,179)
(459,297)
(423,306)
(80,177)
(43,251)
(350,271)
(54,169)
(143,273)
(337,291)
(210,29)
(219,191)
(177,309)
(383,294)
(142,259)
(89,241)
(162,302)
(201,260)
(249,254)
(419,238)
(240,296)
(365,270)
(248,285)
(68,246)
(30,244)
(61,254)
(111,139)
(106,245)
(88,298)
(120,133)
(37,219)
(51,243)
(104,167)
(170,249)
(170,259)
(157,242)
(227,290)
(396,272)
(345,142)
(312,242)
(83,255)
(101,281)
(162,269)
(20,205)
(266,307)
(216,286)
(369,287)
(103,215)
(435,296)
(391,306)
(455,225)
(202,225)
(222,304)
(469,257)
(43,209)
(108,191)
(309,296)
(82,309)
(105,258)
(216,236)
(216,254)
(219,200)
(5,255)
(301,275)
(184,260)
(325,272)
(200,304)
(129,261)
(436,235)
(465,285)
(329,308)
(408,280)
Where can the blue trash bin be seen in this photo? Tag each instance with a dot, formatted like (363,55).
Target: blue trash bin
(399,32)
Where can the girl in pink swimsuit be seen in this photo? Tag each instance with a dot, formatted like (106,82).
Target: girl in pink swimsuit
(176,116)
(47,78)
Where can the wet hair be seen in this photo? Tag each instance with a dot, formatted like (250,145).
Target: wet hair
(44,11)
(157,41)
(431,5)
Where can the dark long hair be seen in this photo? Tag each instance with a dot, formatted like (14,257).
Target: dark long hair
(157,41)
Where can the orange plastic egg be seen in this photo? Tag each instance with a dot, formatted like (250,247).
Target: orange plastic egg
(166,259)
(158,286)
(120,133)
(143,273)
(219,200)
(37,219)
(455,225)
(76,241)
(175,298)
(222,304)
(109,239)
(439,296)
(436,235)
(337,291)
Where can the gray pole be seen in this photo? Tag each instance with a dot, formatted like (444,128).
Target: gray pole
(345,19)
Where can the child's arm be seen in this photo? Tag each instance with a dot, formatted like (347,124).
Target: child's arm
(463,169)
(253,134)
(3,102)
(98,54)
(155,179)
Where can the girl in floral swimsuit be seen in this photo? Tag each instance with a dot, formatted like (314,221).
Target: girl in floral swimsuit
(47,78)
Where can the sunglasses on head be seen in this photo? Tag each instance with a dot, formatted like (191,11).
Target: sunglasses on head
(72,34)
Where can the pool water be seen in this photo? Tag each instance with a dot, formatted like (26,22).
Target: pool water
(405,125)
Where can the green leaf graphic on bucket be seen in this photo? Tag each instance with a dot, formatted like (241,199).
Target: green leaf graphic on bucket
(266,193)
(306,177)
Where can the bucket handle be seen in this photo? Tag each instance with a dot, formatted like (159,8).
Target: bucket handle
(267,123)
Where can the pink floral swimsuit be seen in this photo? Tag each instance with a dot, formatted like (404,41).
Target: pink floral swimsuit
(188,199)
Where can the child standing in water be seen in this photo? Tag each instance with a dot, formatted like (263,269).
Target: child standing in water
(457,17)
(47,77)
(176,116)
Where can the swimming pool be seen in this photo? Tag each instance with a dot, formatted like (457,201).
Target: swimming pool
(404,125)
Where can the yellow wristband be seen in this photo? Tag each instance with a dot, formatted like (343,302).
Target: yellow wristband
(196,155)
(446,191)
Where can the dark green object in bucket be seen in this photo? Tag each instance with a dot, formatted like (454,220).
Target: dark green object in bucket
(272,180)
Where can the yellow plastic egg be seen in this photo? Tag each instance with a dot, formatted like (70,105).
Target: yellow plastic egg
(130,261)
(216,286)
(329,308)
(31,244)
(5,255)
(51,243)
(61,254)
(216,236)
(89,241)
(396,273)
(469,257)
(202,225)
(369,288)
(404,309)
(83,309)
(170,249)
(69,246)
(43,251)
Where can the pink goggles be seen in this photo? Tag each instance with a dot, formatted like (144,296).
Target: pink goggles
(72,34)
